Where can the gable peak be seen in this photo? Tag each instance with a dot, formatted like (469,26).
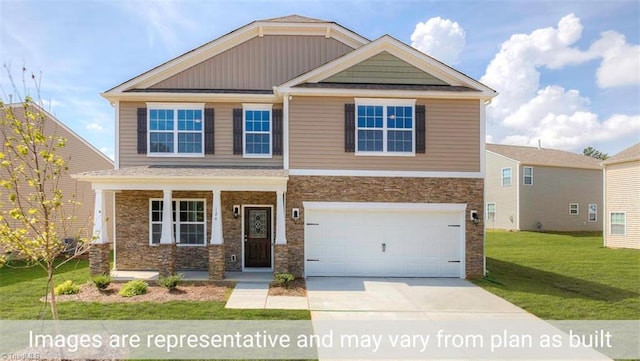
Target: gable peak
(293,18)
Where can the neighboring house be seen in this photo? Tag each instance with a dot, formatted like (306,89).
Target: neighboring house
(529,188)
(296,145)
(622,199)
(81,157)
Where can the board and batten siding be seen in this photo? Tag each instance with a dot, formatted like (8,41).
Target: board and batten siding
(554,188)
(223,133)
(384,68)
(259,63)
(316,132)
(505,197)
(623,195)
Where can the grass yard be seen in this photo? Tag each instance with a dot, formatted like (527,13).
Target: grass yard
(563,276)
(21,289)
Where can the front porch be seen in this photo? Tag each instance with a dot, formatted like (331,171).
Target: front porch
(218,223)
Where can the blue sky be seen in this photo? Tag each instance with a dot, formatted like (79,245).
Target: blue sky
(568,72)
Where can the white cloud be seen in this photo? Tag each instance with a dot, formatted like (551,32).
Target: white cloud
(560,118)
(439,38)
(96,127)
(165,21)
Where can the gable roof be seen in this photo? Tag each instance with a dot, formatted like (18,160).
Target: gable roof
(544,156)
(288,25)
(627,155)
(402,51)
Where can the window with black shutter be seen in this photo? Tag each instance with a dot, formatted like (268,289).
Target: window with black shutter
(237,131)
(209,128)
(142,130)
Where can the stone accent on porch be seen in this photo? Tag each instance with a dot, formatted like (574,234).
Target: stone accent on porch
(99,258)
(216,261)
(166,259)
(281,258)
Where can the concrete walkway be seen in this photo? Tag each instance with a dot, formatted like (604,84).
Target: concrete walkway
(256,296)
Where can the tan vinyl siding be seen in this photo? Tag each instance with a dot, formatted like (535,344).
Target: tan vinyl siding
(623,195)
(223,156)
(384,68)
(316,127)
(554,188)
(503,197)
(80,157)
(259,63)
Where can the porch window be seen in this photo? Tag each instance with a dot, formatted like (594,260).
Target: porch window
(176,129)
(189,221)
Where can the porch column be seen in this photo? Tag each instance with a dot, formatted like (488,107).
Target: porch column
(167,218)
(99,234)
(216,219)
(281,234)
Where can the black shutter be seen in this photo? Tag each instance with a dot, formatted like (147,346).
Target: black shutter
(277,132)
(209,126)
(237,131)
(420,129)
(142,130)
(349,128)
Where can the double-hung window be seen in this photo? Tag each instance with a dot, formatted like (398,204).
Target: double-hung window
(175,129)
(257,130)
(491,211)
(506,177)
(527,176)
(385,127)
(618,223)
(189,221)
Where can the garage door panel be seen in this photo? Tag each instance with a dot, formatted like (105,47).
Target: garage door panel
(386,243)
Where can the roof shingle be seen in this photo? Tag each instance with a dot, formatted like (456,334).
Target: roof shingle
(544,156)
(630,154)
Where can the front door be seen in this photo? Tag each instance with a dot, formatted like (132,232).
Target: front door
(257,237)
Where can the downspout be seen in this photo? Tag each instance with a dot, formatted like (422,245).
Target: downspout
(518,195)
(285,131)
(113,225)
(116,151)
(483,109)
(604,206)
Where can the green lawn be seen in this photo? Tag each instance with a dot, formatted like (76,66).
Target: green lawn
(563,276)
(22,288)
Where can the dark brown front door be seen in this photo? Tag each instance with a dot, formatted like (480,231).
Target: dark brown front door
(257,237)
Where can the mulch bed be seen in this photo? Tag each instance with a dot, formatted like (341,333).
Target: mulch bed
(297,287)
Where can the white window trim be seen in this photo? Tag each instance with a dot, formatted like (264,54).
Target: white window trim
(384,103)
(525,176)
(175,107)
(502,178)
(177,223)
(624,233)
(494,211)
(577,206)
(589,213)
(252,106)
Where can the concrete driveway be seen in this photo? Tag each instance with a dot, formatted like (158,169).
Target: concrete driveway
(405,299)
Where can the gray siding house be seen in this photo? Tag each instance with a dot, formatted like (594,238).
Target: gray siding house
(529,188)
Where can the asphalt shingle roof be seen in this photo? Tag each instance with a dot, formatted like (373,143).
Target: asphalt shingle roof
(545,156)
(629,154)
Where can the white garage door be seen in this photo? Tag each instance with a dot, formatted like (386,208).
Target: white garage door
(384,239)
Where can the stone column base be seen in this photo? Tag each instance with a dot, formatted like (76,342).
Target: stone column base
(99,258)
(281,258)
(216,261)
(167,259)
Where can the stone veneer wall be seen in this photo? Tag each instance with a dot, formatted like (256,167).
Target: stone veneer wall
(379,189)
(133,251)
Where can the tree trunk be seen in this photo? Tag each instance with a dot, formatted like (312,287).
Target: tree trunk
(54,306)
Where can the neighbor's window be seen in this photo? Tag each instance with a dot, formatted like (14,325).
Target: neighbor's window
(574,209)
(257,130)
(491,211)
(189,221)
(385,127)
(527,176)
(593,213)
(175,129)
(506,177)
(618,223)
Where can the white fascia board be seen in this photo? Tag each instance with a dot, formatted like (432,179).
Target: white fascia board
(386,206)
(251,184)
(383,93)
(503,156)
(382,173)
(331,30)
(191,97)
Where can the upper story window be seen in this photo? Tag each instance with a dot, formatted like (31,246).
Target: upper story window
(506,177)
(175,129)
(527,176)
(385,127)
(257,130)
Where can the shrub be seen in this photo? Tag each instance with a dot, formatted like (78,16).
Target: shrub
(101,281)
(66,288)
(134,288)
(171,282)
(284,279)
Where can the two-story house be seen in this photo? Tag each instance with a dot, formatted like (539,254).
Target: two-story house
(294,144)
(535,188)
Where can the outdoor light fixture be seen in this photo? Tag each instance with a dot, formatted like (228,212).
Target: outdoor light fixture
(474,216)
(295,214)
(236,211)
